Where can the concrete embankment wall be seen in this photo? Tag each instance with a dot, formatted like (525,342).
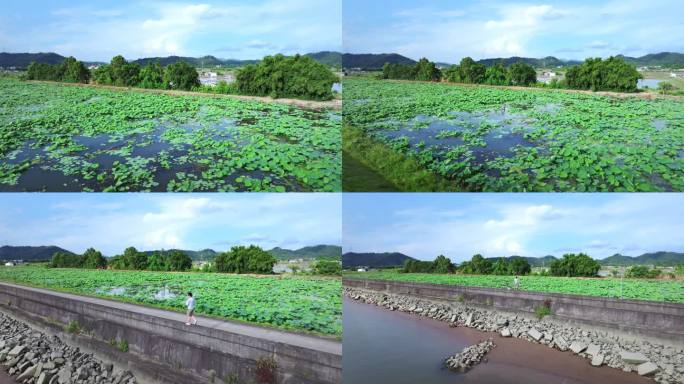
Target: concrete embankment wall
(165,350)
(659,320)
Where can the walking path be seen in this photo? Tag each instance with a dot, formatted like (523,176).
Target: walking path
(301,340)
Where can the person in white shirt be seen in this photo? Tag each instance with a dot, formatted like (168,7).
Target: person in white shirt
(190,303)
(516,283)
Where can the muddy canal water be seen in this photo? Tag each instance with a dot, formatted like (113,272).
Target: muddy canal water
(393,347)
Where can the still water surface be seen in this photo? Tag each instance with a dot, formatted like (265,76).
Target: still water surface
(381,346)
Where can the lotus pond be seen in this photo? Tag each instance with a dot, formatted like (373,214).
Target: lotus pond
(311,304)
(495,139)
(56,137)
(637,289)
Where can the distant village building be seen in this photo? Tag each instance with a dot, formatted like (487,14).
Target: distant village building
(9,264)
(673,75)
(362,269)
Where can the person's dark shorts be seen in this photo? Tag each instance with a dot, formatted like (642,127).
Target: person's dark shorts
(191,312)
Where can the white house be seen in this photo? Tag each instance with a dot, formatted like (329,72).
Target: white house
(361,270)
(672,74)
(9,264)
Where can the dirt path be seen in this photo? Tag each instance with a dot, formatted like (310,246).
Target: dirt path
(308,104)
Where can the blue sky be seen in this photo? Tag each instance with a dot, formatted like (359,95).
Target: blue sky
(460,225)
(448,30)
(111,222)
(98,30)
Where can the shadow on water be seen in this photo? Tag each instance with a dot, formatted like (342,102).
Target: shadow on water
(381,346)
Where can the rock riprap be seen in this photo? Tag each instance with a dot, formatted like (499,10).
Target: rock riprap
(470,356)
(32,357)
(664,363)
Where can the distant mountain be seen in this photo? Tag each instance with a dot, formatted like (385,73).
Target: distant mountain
(22,60)
(546,62)
(666,259)
(203,255)
(313,252)
(663,59)
(373,61)
(29,253)
(329,58)
(374,260)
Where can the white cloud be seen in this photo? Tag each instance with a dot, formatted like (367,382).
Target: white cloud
(250,29)
(505,28)
(630,224)
(189,221)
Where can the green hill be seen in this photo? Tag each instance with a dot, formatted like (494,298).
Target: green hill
(373,61)
(29,253)
(352,260)
(312,252)
(663,59)
(662,258)
(329,58)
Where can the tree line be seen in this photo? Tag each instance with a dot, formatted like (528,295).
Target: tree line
(69,71)
(570,265)
(595,74)
(119,72)
(239,259)
(467,71)
(275,76)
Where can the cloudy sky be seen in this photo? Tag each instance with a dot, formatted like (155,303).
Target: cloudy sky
(99,30)
(460,225)
(448,30)
(112,222)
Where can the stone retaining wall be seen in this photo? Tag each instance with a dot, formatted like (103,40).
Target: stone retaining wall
(165,349)
(660,320)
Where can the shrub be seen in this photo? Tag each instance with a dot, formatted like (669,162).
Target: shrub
(643,272)
(328,267)
(287,76)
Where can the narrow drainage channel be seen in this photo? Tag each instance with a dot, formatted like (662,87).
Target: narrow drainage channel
(394,347)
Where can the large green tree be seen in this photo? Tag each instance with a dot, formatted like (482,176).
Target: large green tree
(496,75)
(287,76)
(241,259)
(572,265)
(521,74)
(181,75)
(427,71)
(178,261)
(442,264)
(93,259)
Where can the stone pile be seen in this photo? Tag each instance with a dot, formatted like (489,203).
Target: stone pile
(665,364)
(469,357)
(32,357)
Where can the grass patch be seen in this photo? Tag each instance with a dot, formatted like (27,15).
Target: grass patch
(73,327)
(542,311)
(366,158)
